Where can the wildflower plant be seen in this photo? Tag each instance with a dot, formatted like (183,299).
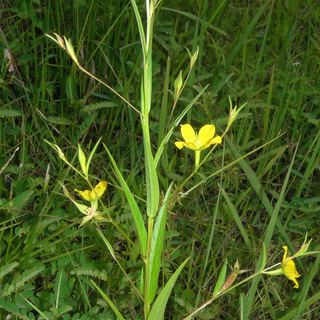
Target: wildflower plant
(198,141)
(151,234)
(151,237)
(289,269)
(91,195)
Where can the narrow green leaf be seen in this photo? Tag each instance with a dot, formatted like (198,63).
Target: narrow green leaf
(70,50)
(35,308)
(274,221)
(58,289)
(107,243)
(194,57)
(178,85)
(314,300)
(197,19)
(164,104)
(241,297)
(71,88)
(153,193)
(140,28)
(92,154)
(110,303)
(257,186)
(245,34)
(221,279)
(109,246)
(156,247)
(159,306)
(274,216)
(81,207)
(136,213)
(304,304)
(237,219)
(82,160)
(263,261)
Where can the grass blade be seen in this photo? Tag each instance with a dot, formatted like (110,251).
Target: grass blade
(91,155)
(303,305)
(140,27)
(257,187)
(136,213)
(237,219)
(153,193)
(35,308)
(159,306)
(109,302)
(308,303)
(157,247)
(249,299)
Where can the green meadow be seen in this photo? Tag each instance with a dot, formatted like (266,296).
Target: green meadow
(159,160)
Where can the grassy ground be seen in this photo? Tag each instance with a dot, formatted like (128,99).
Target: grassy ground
(265,53)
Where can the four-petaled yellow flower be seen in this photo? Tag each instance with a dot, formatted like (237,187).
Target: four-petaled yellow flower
(95,193)
(289,268)
(197,142)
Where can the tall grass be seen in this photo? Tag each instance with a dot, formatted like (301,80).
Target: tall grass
(264,54)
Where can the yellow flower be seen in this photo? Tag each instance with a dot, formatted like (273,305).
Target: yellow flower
(197,142)
(289,268)
(95,193)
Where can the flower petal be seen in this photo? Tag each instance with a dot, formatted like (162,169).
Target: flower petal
(191,146)
(216,140)
(86,194)
(296,283)
(284,258)
(99,189)
(95,193)
(206,134)
(188,133)
(289,268)
(179,144)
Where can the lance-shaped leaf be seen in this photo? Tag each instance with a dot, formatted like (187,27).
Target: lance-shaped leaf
(178,85)
(135,211)
(263,260)
(82,160)
(109,301)
(159,306)
(153,193)
(156,247)
(91,155)
(231,279)
(81,207)
(221,279)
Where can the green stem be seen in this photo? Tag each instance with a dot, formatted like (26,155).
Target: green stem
(146,269)
(197,159)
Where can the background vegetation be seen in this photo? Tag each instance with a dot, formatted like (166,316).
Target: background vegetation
(265,53)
